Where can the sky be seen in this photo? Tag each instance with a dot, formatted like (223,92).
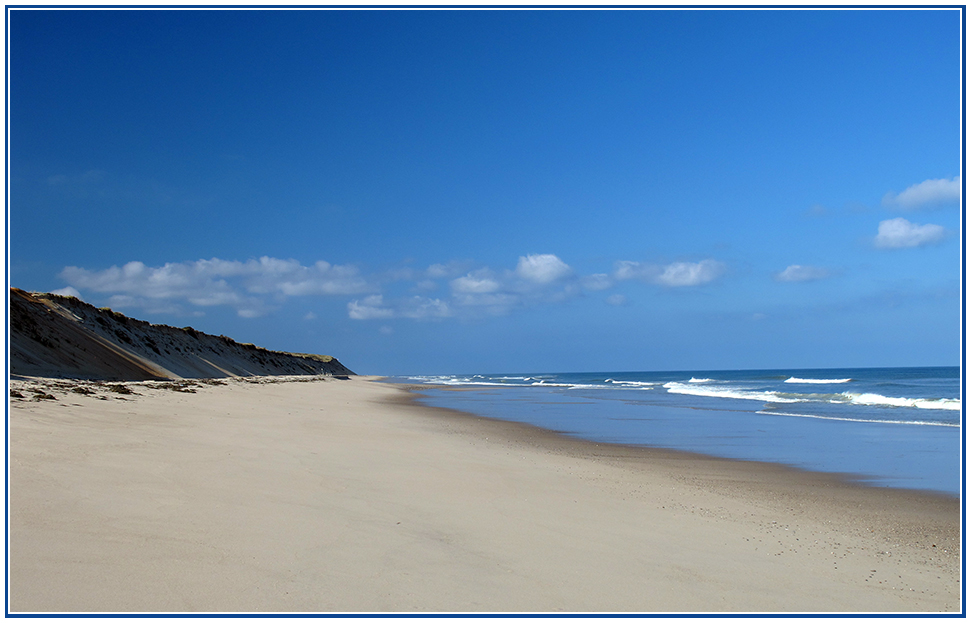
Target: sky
(462,191)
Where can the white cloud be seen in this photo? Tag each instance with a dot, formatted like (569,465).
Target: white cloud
(543,268)
(437,271)
(206,279)
(205,283)
(627,269)
(537,279)
(370,308)
(927,194)
(419,307)
(68,291)
(477,282)
(677,274)
(597,282)
(121,300)
(255,287)
(448,270)
(797,272)
(416,307)
(154,306)
(691,274)
(900,233)
(617,300)
(290,278)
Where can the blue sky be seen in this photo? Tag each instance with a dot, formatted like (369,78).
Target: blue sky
(497,191)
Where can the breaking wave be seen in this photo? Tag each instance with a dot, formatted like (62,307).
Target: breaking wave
(871,400)
(729,392)
(772,392)
(876,400)
(632,384)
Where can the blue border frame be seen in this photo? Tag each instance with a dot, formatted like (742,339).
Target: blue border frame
(500,615)
(490,6)
(6,314)
(203,615)
(964,308)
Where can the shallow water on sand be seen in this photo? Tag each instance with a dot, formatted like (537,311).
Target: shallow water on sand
(895,427)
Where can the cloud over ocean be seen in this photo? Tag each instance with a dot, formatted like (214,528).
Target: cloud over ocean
(256,286)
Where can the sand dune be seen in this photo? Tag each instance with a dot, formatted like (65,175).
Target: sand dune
(63,337)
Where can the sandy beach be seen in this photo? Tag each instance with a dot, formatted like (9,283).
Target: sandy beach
(244,495)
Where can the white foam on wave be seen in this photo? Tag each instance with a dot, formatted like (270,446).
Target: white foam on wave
(567,385)
(850,419)
(465,382)
(793,379)
(694,380)
(945,404)
(526,381)
(876,400)
(431,379)
(456,381)
(632,383)
(727,392)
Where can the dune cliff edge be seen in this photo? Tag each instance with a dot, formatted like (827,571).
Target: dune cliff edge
(64,337)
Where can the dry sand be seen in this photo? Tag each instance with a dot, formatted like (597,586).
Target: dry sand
(345,496)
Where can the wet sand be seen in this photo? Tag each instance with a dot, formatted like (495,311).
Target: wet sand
(347,496)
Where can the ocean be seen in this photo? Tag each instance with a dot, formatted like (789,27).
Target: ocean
(893,427)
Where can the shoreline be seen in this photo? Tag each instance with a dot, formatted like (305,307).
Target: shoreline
(785,487)
(834,478)
(392,506)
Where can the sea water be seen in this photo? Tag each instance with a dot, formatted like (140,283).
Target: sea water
(898,427)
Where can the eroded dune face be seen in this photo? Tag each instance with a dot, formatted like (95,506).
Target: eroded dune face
(63,337)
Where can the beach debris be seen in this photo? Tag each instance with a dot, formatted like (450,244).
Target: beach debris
(42,395)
